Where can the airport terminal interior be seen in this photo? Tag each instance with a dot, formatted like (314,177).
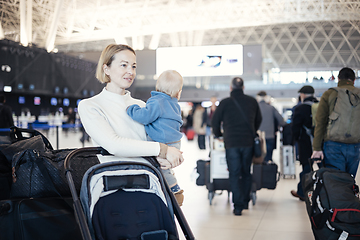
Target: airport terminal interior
(49,52)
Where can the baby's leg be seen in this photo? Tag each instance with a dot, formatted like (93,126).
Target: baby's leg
(175,188)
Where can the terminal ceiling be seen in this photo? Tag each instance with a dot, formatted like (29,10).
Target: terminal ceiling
(294,34)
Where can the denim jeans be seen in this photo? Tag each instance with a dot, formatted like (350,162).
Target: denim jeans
(270,144)
(342,156)
(239,163)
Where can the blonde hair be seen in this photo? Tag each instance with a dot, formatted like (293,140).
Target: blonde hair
(107,57)
(169,82)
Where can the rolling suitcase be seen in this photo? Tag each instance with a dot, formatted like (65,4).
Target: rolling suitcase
(190,134)
(287,161)
(203,169)
(270,175)
(265,175)
(257,176)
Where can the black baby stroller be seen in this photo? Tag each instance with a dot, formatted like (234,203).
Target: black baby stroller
(125,200)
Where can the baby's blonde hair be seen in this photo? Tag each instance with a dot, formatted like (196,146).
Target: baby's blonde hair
(169,82)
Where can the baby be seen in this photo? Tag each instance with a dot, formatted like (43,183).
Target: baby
(162,119)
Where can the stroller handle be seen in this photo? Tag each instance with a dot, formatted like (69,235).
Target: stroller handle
(74,153)
(85,232)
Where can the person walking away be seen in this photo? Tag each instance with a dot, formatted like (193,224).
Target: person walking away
(301,121)
(162,118)
(6,120)
(189,125)
(238,140)
(337,131)
(270,123)
(208,113)
(199,125)
(71,119)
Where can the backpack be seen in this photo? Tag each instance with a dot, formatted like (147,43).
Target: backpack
(314,108)
(344,121)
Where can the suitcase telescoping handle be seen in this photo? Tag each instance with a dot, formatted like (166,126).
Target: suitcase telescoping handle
(85,232)
(314,160)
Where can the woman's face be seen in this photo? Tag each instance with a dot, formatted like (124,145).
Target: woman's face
(122,72)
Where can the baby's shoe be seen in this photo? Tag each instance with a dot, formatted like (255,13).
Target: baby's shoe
(179,196)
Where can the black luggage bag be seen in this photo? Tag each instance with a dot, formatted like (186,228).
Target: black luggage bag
(266,175)
(203,169)
(22,139)
(38,219)
(41,174)
(37,205)
(332,204)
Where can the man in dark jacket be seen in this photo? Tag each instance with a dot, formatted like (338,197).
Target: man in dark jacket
(238,139)
(302,120)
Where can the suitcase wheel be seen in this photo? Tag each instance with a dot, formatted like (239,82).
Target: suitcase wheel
(253,197)
(211,196)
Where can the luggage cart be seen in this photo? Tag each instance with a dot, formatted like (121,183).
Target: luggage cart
(219,173)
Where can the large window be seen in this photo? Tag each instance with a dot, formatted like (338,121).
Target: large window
(302,77)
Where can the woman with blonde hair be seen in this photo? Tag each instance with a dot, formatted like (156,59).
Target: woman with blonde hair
(104,115)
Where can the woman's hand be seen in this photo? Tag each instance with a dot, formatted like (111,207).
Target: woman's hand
(173,159)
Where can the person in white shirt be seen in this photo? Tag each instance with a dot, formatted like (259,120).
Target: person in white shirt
(105,119)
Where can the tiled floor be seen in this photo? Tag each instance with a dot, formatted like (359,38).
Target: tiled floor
(276,214)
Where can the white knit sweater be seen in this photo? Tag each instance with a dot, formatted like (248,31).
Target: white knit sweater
(105,119)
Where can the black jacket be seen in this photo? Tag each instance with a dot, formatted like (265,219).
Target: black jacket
(302,117)
(236,132)
(6,119)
